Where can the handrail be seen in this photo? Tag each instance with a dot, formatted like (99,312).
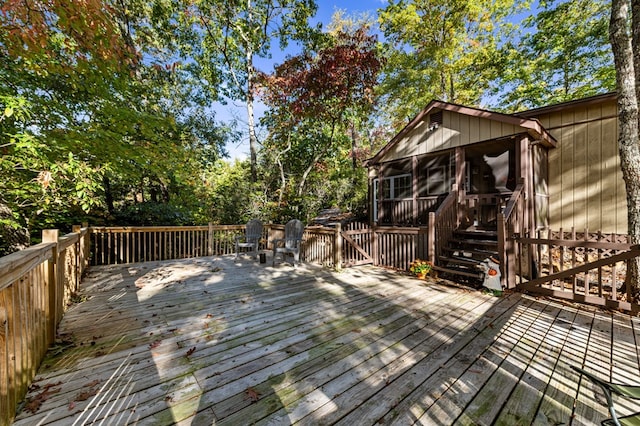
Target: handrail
(581,269)
(517,193)
(36,286)
(506,224)
(15,265)
(446,203)
(442,223)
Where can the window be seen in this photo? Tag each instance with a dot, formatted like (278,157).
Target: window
(393,188)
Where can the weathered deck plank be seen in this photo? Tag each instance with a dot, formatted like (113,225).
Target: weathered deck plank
(211,341)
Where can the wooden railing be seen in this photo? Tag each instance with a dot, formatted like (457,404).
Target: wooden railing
(583,267)
(117,245)
(36,286)
(396,248)
(483,209)
(443,222)
(406,212)
(511,222)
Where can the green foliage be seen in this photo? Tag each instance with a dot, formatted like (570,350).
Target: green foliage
(229,197)
(105,106)
(152,213)
(440,49)
(561,53)
(321,103)
(80,111)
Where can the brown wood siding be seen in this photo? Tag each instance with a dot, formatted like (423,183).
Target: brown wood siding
(585,182)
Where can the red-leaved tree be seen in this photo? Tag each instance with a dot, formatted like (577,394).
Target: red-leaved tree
(317,99)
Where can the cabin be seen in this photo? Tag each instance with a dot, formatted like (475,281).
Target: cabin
(477,179)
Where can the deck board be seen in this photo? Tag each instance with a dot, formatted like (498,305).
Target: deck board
(216,341)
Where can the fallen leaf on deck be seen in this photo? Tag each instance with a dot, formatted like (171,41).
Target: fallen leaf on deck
(34,403)
(72,405)
(83,396)
(252,394)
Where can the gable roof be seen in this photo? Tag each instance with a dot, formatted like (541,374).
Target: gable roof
(530,125)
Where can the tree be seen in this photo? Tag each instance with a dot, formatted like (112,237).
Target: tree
(624,31)
(561,53)
(82,115)
(226,37)
(439,49)
(48,49)
(317,101)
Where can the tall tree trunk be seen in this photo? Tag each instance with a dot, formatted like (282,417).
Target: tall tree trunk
(253,140)
(627,64)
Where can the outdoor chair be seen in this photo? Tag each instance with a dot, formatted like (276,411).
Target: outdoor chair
(291,242)
(251,238)
(609,389)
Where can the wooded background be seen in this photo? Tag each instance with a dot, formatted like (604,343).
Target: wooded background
(108,117)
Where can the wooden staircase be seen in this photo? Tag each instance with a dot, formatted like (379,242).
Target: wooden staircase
(465,250)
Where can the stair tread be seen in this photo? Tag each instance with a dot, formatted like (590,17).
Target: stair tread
(476,232)
(473,241)
(458,271)
(461,259)
(472,250)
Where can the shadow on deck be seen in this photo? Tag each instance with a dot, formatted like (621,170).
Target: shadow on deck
(214,341)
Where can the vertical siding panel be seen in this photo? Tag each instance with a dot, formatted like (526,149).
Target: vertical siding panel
(568,181)
(484,129)
(594,161)
(545,121)
(474,129)
(436,138)
(555,173)
(611,174)
(496,129)
(464,129)
(580,169)
(455,132)
(446,130)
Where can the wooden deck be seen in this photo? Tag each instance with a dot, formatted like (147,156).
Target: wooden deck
(210,341)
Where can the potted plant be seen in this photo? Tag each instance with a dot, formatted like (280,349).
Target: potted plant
(420,268)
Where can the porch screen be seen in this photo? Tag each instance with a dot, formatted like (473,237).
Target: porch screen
(435,176)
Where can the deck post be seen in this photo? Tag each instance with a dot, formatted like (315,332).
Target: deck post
(210,240)
(51,236)
(337,247)
(86,248)
(431,238)
(78,256)
(374,245)
(502,251)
